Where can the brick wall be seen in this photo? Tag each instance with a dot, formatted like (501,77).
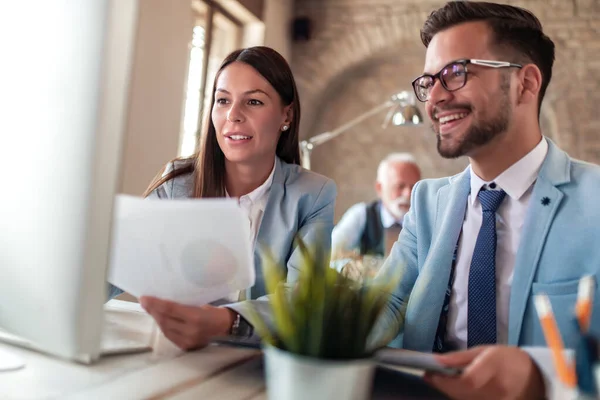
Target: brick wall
(363,51)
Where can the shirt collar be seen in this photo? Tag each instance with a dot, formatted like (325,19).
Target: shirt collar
(258,195)
(387,219)
(518,178)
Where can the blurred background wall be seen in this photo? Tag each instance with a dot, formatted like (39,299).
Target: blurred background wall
(348,56)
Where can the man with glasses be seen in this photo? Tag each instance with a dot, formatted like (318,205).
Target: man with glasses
(521,220)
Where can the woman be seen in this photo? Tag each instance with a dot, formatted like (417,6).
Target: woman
(249,150)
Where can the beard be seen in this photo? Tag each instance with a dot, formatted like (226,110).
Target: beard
(480,133)
(398,207)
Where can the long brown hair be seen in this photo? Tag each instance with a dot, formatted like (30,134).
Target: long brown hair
(208,164)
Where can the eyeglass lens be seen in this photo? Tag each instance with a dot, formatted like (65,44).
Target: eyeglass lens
(452,77)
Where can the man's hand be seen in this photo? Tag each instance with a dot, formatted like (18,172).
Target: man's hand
(490,373)
(188,327)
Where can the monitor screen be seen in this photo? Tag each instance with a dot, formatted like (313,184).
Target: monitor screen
(64,79)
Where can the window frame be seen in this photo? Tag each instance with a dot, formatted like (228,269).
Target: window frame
(204,12)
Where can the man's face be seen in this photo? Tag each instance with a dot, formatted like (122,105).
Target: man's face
(474,115)
(396,185)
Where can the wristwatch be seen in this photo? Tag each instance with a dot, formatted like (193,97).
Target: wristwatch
(241,327)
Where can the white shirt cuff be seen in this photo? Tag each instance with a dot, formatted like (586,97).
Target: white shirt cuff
(555,390)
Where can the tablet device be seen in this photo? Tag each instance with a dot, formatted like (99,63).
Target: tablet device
(384,357)
(416,360)
(234,341)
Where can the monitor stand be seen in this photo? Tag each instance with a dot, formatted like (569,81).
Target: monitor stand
(10,361)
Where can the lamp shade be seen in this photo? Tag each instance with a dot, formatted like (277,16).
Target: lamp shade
(407,115)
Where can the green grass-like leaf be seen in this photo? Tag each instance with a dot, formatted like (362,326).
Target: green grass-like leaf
(326,315)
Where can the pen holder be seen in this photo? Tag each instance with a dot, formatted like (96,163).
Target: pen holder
(587,366)
(293,377)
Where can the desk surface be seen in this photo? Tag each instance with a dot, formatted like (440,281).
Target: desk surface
(214,372)
(223,373)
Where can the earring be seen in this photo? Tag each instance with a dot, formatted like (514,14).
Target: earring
(285,128)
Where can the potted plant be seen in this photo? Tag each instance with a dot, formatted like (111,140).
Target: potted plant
(316,345)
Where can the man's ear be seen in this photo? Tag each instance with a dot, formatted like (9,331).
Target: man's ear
(530,84)
(378,188)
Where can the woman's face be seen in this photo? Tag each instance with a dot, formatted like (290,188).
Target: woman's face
(248,115)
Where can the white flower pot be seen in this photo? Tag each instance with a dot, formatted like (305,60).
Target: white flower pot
(293,377)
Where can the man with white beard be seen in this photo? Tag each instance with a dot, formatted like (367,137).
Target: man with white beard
(371,229)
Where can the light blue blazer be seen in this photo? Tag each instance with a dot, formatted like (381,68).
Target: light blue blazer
(560,243)
(300,203)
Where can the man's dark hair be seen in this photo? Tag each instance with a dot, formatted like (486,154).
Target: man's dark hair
(517,32)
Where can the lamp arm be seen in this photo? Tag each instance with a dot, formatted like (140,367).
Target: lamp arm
(306,146)
(326,136)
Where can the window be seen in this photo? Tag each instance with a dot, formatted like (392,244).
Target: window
(192,96)
(215,35)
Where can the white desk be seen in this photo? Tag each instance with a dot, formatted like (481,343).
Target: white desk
(212,373)
(138,376)
(215,372)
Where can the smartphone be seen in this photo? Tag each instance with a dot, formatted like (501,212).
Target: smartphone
(413,359)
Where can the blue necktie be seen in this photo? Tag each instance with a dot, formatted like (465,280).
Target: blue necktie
(482,275)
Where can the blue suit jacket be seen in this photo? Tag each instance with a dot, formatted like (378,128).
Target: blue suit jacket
(300,203)
(560,243)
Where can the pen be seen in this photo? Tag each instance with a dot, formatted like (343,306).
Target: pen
(583,308)
(565,371)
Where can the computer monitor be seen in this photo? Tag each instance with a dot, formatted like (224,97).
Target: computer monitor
(65,76)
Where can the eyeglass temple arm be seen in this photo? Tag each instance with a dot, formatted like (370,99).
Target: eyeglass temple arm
(494,64)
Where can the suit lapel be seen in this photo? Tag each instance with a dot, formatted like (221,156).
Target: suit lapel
(543,205)
(430,288)
(451,207)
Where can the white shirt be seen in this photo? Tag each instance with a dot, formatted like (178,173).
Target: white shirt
(347,233)
(517,181)
(253,205)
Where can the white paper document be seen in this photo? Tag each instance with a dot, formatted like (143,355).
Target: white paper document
(192,251)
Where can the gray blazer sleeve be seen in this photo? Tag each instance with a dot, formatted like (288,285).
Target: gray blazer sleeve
(164,191)
(315,231)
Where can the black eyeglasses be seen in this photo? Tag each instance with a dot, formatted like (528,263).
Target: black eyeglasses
(453,76)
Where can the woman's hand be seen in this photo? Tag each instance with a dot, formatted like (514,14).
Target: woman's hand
(189,327)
